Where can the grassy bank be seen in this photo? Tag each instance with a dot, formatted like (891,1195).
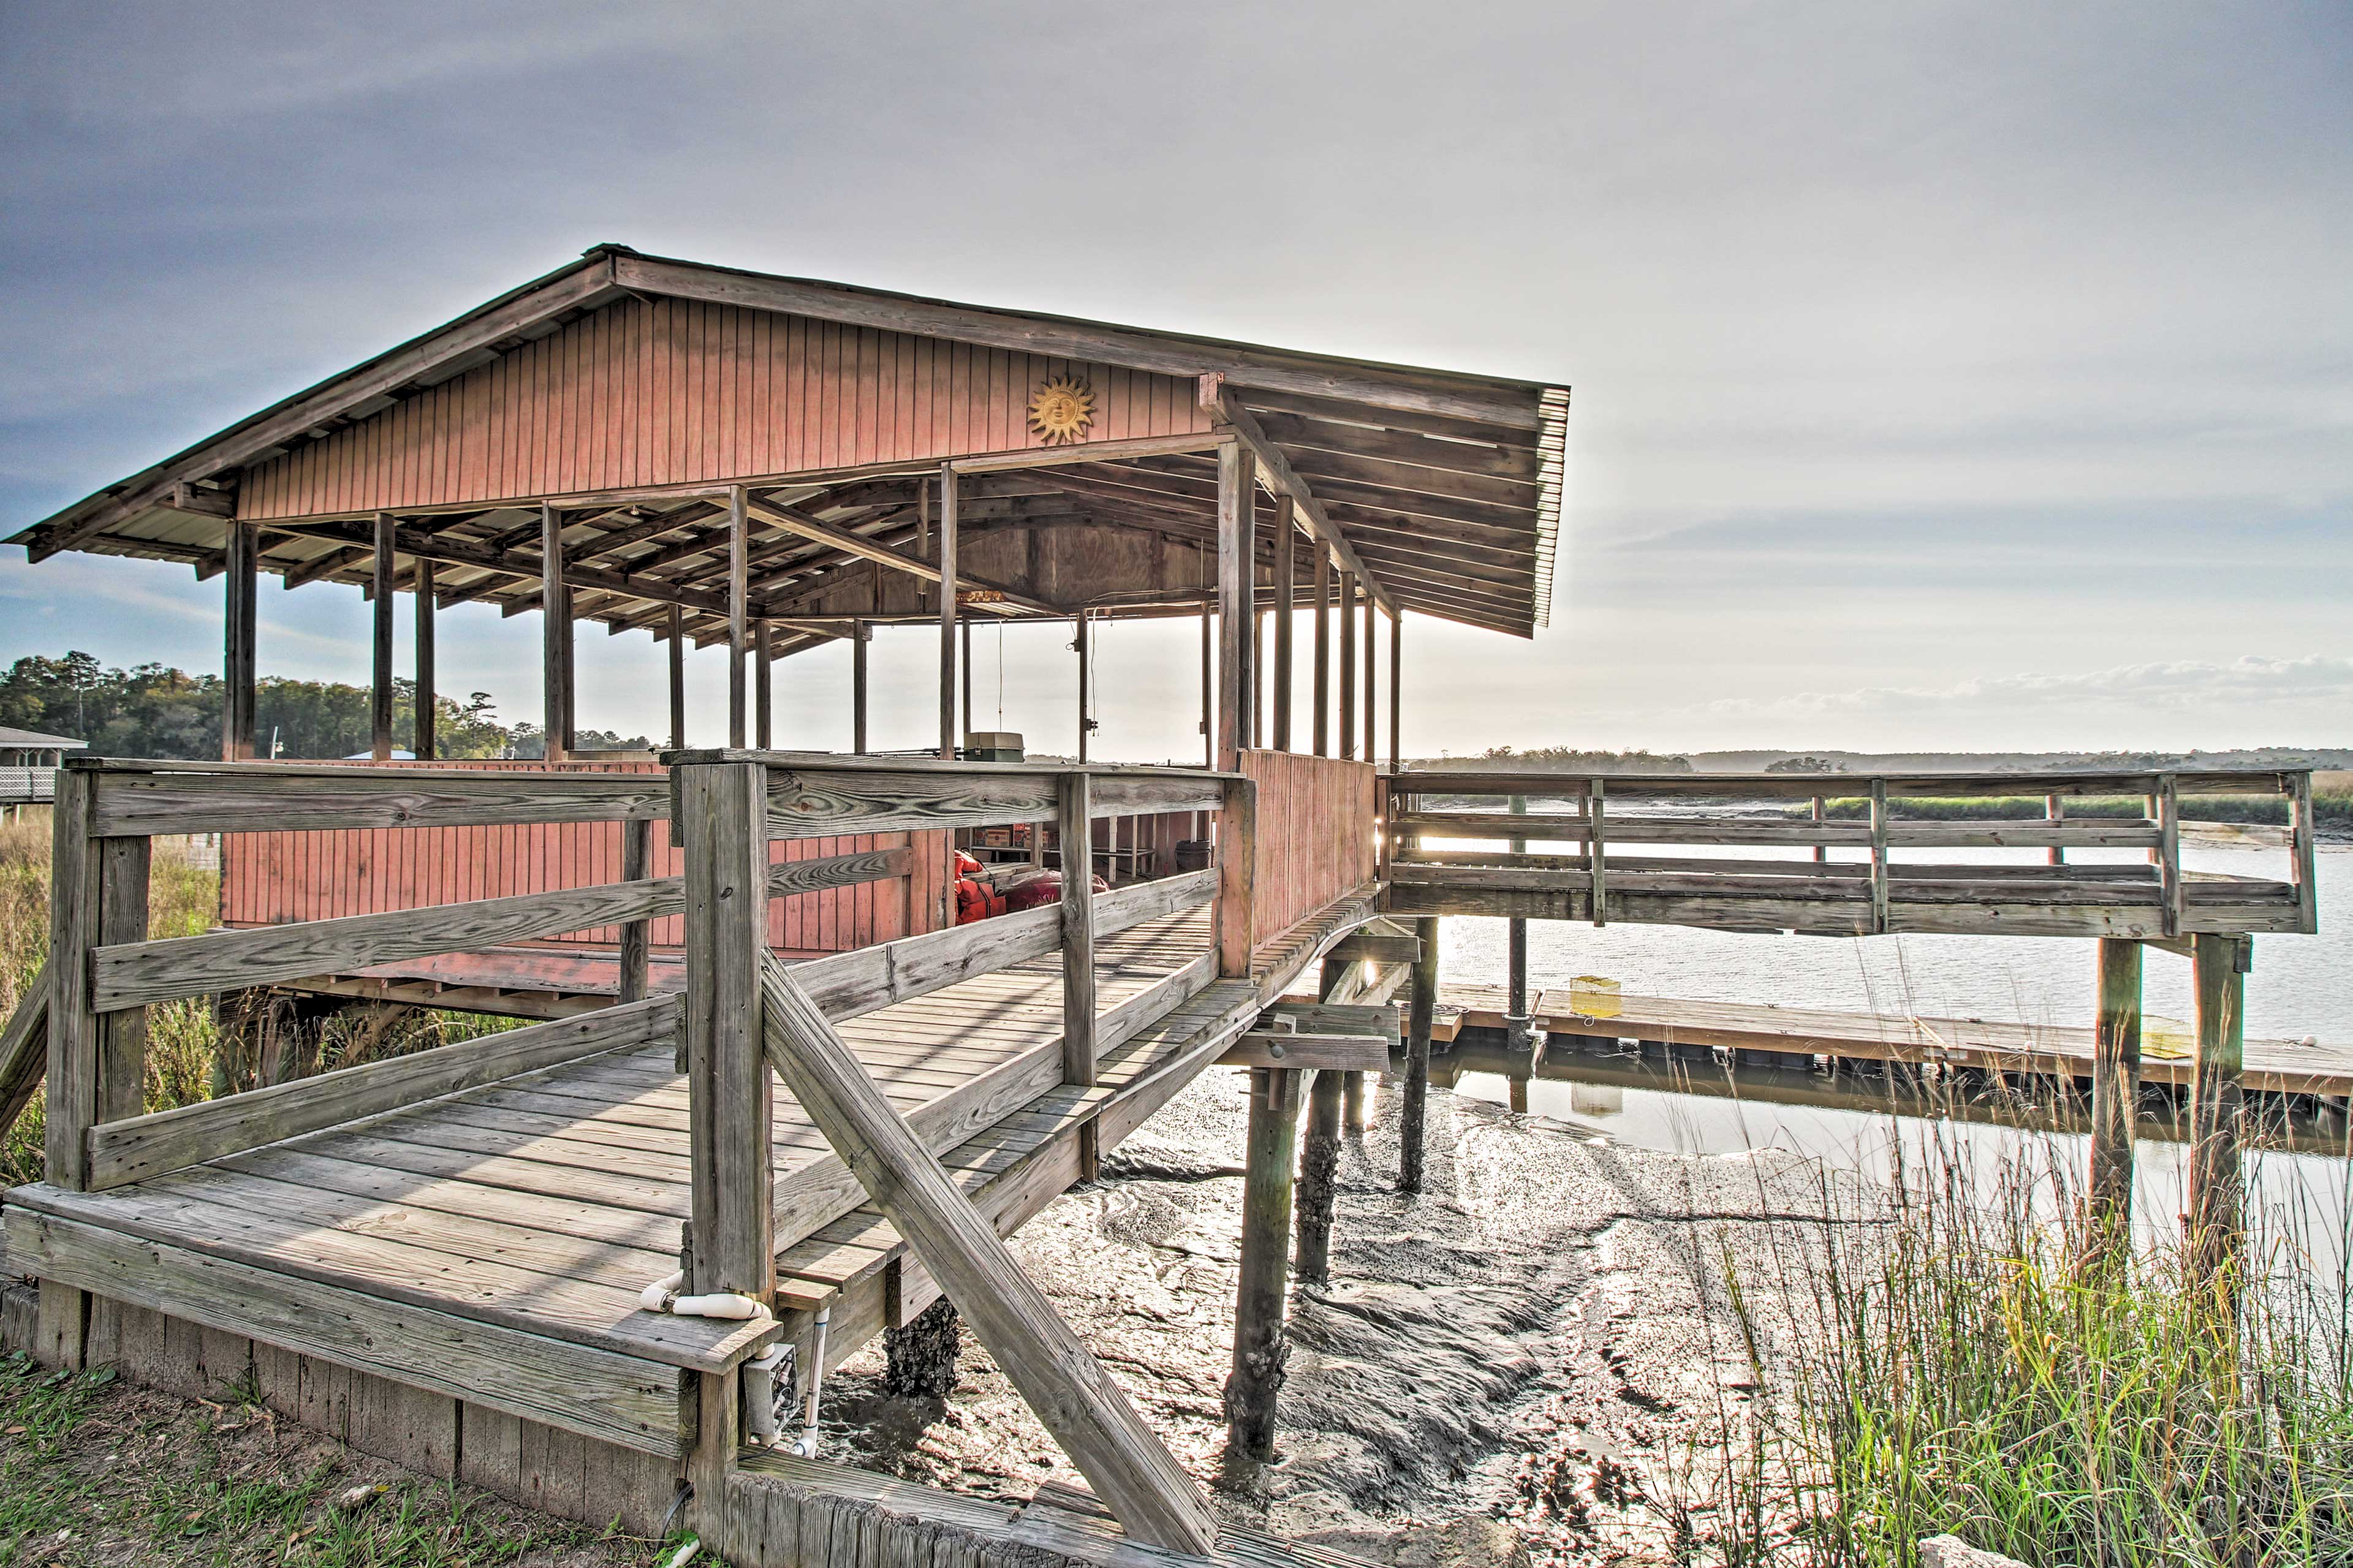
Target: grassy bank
(1951,1364)
(2329,809)
(189,1057)
(96,1471)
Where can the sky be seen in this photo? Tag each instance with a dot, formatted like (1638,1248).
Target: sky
(1969,376)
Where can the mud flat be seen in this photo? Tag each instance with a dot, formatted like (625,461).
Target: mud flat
(1534,1361)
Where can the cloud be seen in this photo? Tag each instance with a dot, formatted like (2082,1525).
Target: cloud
(2179,685)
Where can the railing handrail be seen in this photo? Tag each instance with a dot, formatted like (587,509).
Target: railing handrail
(1803,787)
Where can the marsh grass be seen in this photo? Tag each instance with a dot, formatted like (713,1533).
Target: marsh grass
(1955,1362)
(187,1060)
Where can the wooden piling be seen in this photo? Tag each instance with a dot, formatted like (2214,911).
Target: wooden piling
(2212,1227)
(236,643)
(2116,1089)
(426,744)
(948,610)
(1420,1013)
(1259,1349)
(1286,559)
(677,678)
(1075,820)
(636,855)
(555,637)
(1323,649)
(1319,1159)
(1515,933)
(380,689)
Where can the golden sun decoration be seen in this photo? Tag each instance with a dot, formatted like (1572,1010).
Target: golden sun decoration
(1061,410)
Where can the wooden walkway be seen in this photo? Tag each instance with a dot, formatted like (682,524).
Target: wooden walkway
(536,1208)
(2279,1067)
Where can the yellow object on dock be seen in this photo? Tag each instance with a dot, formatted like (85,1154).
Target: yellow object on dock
(1596,996)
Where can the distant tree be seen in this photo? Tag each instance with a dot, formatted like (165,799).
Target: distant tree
(1568,759)
(154,711)
(1805,765)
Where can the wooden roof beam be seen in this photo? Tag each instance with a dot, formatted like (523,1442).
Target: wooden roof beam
(849,543)
(1274,469)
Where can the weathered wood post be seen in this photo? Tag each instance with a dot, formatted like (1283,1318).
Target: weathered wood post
(1075,823)
(1236,617)
(1209,687)
(764,691)
(677,678)
(636,855)
(1286,562)
(555,636)
(98,1061)
(1260,1347)
(1080,644)
(427,743)
(860,636)
(948,609)
(2115,1092)
(1419,1014)
(2212,1227)
(1237,876)
(1372,667)
(1319,1160)
(722,819)
(1347,662)
(739,615)
(1323,649)
(381,591)
(236,642)
(721,809)
(1517,1027)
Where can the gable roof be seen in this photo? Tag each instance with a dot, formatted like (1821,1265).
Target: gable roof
(1445,487)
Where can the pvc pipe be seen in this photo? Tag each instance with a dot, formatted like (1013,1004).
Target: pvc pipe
(721,1304)
(652,1297)
(806,1445)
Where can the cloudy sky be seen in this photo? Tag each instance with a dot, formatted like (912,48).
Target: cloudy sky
(1945,375)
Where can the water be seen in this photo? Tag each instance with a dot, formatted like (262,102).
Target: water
(2301,986)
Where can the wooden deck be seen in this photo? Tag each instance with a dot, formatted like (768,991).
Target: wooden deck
(519,1221)
(2277,1067)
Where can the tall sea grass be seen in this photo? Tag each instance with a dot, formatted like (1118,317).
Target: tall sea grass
(1963,1363)
(188,1057)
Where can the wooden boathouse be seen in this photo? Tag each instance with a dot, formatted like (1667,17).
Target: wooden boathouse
(776,1098)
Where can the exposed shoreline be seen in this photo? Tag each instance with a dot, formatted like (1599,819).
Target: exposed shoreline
(1524,1362)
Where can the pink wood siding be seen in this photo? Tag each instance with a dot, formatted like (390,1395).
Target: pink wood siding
(270,878)
(1316,839)
(674,392)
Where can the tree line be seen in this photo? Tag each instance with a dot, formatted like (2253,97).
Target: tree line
(155,711)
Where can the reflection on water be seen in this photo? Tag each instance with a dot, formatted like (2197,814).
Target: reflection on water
(2301,986)
(2297,1178)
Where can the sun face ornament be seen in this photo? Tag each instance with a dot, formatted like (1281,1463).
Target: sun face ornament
(1061,410)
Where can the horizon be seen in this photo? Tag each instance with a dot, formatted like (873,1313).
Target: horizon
(1958,380)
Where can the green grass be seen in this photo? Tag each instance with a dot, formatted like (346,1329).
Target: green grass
(92,1470)
(1960,1367)
(2328,809)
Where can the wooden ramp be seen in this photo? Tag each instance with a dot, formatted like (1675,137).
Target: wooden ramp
(492,1244)
(2278,1067)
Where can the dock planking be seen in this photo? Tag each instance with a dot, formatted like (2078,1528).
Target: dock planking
(542,1202)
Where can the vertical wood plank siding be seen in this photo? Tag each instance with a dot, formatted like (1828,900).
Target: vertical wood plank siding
(1314,835)
(270,878)
(673,392)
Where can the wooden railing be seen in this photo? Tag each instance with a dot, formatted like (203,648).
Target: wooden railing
(276,878)
(1650,847)
(733,817)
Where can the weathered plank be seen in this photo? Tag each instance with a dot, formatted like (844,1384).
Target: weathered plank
(1335,1053)
(1080,1404)
(25,1048)
(142,1146)
(810,802)
(252,798)
(618,1399)
(136,974)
